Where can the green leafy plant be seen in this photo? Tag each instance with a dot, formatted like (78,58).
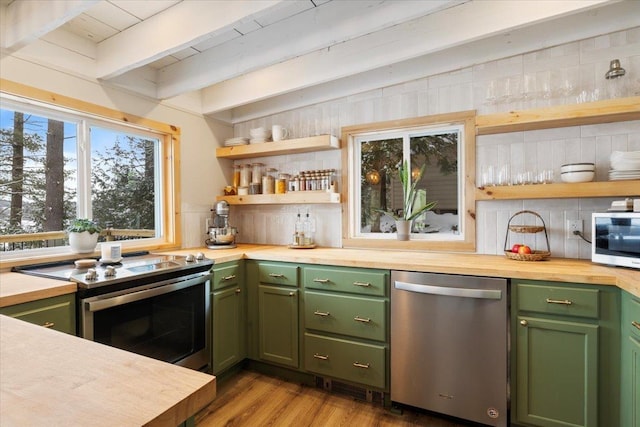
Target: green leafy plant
(79,225)
(410,211)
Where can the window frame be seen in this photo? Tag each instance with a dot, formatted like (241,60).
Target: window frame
(351,237)
(95,115)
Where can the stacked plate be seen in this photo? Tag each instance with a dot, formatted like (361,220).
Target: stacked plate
(236,141)
(624,165)
(259,135)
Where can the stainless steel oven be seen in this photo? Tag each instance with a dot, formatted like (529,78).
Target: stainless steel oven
(153,305)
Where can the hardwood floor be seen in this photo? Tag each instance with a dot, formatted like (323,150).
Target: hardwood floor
(252,399)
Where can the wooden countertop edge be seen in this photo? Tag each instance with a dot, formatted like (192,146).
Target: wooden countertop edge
(554,269)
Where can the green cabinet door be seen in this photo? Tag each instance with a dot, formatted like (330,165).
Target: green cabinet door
(630,378)
(228,328)
(557,372)
(278,324)
(57,313)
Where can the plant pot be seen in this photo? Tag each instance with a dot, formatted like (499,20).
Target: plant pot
(82,243)
(403,229)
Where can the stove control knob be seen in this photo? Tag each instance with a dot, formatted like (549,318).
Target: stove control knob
(190,258)
(91,274)
(110,271)
(199,256)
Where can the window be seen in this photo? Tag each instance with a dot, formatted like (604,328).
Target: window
(444,145)
(57,164)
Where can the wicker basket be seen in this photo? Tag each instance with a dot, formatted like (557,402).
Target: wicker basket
(535,255)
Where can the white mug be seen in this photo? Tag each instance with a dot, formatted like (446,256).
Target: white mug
(278,133)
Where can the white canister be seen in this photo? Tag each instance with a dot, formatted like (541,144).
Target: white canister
(111,251)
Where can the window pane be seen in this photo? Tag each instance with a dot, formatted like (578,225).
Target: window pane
(379,183)
(37,175)
(124,168)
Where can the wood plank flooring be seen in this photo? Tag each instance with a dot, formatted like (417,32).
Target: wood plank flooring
(252,399)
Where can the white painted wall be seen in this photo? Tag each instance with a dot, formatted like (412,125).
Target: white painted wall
(202,175)
(585,62)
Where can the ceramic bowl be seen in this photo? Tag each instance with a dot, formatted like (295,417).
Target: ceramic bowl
(577,167)
(577,176)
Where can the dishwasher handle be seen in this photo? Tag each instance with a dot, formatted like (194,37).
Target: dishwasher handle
(449,291)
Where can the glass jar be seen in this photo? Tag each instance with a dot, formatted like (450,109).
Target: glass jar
(245,175)
(268,181)
(236,176)
(282,183)
(257,169)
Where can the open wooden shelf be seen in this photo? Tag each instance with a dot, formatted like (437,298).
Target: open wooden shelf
(289,146)
(607,111)
(294,197)
(561,190)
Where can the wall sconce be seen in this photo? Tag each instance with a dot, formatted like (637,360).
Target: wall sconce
(615,70)
(415,173)
(372,177)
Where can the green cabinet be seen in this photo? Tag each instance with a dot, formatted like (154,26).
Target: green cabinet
(228,316)
(565,364)
(57,312)
(630,378)
(273,315)
(346,322)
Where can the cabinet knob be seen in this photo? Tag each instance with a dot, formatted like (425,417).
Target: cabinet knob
(238,291)
(524,322)
(291,294)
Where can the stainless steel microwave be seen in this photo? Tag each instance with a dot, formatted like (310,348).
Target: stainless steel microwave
(616,238)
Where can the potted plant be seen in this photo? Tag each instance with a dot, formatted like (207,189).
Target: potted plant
(413,206)
(83,235)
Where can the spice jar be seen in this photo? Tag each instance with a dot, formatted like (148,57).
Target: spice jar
(245,175)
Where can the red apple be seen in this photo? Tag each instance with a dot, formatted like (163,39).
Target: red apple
(524,249)
(515,248)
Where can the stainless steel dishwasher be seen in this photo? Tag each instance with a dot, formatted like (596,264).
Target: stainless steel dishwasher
(449,345)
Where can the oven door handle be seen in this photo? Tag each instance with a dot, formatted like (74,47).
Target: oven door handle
(449,291)
(104,303)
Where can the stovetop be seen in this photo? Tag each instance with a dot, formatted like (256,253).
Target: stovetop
(132,267)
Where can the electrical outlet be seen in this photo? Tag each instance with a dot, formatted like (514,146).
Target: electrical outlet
(574,225)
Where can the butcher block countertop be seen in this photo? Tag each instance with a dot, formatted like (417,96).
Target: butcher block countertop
(16,287)
(51,378)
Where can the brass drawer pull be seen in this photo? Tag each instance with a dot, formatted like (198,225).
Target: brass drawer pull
(238,291)
(320,356)
(321,313)
(362,319)
(363,284)
(49,324)
(636,324)
(291,293)
(559,301)
(276,275)
(321,280)
(227,278)
(361,365)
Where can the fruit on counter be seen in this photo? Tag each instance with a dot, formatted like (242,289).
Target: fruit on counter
(524,249)
(515,248)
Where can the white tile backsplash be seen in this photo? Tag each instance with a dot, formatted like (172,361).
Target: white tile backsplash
(583,63)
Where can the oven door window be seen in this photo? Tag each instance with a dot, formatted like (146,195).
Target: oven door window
(167,327)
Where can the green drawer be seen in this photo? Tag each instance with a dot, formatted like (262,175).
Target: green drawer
(351,361)
(561,300)
(346,315)
(361,281)
(278,274)
(57,313)
(226,275)
(631,315)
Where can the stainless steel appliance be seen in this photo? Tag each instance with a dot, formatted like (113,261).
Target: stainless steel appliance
(154,305)
(449,345)
(615,238)
(221,234)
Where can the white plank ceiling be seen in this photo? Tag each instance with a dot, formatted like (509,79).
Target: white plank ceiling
(244,59)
